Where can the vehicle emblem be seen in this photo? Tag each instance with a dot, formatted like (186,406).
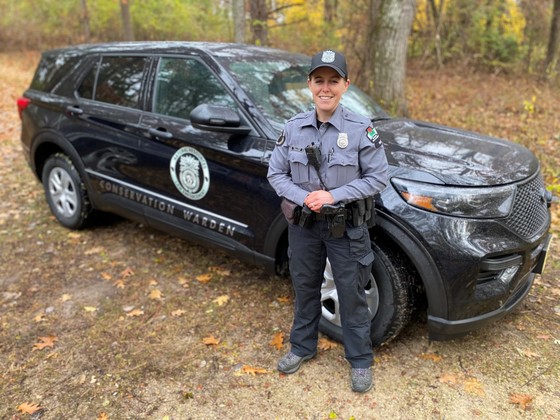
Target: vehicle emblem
(189,172)
(328,56)
(342,140)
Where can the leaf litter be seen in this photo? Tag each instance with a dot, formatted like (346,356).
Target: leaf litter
(144,357)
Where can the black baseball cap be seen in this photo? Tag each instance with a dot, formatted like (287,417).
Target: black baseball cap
(332,59)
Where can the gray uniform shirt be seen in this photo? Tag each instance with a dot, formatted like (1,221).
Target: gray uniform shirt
(353,161)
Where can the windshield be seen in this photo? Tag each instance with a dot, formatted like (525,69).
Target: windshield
(279,89)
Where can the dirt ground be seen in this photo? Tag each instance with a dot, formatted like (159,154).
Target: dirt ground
(122,322)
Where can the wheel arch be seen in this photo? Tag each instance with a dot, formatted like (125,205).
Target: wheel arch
(46,144)
(404,241)
(276,244)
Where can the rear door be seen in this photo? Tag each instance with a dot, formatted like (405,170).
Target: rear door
(103,126)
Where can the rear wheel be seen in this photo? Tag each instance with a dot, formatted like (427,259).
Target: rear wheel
(65,191)
(388,296)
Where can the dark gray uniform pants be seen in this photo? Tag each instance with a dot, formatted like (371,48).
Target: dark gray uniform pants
(350,258)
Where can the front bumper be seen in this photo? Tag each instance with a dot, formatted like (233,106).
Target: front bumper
(443,329)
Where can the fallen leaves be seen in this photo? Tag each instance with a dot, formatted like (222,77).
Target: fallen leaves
(253,371)
(277,340)
(326,344)
(221,300)
(211,340)
(44,342)
(431,356)
(155,294)
(28,408)
(523,400)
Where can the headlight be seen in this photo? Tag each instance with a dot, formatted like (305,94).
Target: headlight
(486,203)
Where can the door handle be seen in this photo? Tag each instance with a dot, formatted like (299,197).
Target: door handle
(74,111)
(161,133)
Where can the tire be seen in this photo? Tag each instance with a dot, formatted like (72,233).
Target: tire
(65,192)
(387,293)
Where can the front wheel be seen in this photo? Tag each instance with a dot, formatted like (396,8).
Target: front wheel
(387,294)
(65,191)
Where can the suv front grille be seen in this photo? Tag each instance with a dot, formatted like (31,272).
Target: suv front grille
(529,215)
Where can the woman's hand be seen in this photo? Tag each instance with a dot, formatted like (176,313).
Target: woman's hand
(316,199)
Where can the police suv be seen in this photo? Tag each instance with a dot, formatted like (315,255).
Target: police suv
(178,136)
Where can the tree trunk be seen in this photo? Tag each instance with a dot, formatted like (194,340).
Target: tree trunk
(259,25)
(553,51)
(330,10)
(239,20)
(85,21)
(127,21)
(436,14)
(390,46)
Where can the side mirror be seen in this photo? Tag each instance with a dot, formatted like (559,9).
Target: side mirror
(218,118)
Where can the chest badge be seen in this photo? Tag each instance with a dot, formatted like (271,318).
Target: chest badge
(342,140)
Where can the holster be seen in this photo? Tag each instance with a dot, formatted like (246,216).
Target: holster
(363,211)
(291,211)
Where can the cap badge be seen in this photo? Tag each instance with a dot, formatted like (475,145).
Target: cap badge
(342,140)
(328,56)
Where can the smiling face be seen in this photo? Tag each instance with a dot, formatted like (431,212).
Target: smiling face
(327,87)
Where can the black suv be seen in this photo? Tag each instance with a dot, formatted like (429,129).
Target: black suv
(178,136)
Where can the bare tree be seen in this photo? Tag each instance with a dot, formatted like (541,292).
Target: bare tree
(127,21)
(553,51)
(85,21)
(239,20)
(390,46)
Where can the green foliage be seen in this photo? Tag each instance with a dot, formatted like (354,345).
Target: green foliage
(489,34)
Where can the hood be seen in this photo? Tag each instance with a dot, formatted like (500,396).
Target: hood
(454,156)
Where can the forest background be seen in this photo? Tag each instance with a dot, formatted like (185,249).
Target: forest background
(514,36)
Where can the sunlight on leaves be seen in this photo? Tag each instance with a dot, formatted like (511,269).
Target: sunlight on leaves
(90,308)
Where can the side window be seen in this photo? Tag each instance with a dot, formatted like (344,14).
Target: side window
(183,83)
(88,84)
(120,80)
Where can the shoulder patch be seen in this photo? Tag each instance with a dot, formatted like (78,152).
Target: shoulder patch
(374,137)
(372,133)
(281,139)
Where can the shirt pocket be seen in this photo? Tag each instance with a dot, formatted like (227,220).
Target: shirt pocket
(344,167)
(299,166)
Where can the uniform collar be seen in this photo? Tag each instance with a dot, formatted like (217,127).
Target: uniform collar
(335,120)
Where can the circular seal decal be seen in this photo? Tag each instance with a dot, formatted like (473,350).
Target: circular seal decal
(189,172)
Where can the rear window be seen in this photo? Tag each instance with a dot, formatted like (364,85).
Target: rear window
(50,69)
(119,80)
